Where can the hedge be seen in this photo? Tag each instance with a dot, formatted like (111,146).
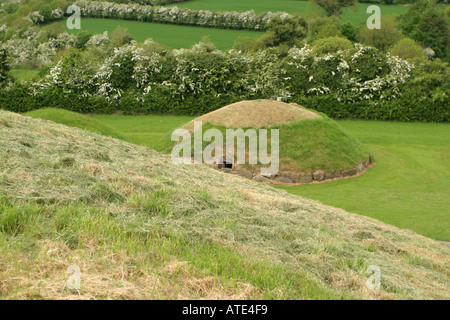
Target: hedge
(427,110)
(248,20)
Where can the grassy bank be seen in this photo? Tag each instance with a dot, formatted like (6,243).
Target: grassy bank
(409,185)
(144,130)
(139,226)
(305,146)
(73,119)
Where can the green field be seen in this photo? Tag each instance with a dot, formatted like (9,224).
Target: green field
(144,130)
(290,6)
(78,120)
(173,36)
(178,36)
(408,186)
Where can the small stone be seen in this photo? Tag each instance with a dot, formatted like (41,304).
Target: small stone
(336,174)
(306,178)
(329,175)
(260,179)
(332,175)
(284,180)
(318,175)
(360,167)
(349,172)
(244,173)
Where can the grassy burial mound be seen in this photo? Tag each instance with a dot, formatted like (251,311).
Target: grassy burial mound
(73,119)
(139,226)
(312,146)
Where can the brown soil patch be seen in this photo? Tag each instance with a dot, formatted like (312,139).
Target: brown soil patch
(256,114)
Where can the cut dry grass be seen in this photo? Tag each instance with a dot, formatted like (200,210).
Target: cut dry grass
(139,226)
(255,114)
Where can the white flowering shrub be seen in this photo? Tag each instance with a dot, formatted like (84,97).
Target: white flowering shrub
(27,50)
(36,17)
(360,74)
(3,29)
(57,14)
(99,40)
(429,52)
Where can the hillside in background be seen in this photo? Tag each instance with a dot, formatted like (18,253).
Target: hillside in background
(308,141)
(139,226)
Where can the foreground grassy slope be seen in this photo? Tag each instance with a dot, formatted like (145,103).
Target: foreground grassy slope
(408,187)
(173,36)
(140,227)
(77,120)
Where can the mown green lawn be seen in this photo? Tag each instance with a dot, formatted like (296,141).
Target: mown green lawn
(408,187)
(173,36)
(291,6)
(144,130)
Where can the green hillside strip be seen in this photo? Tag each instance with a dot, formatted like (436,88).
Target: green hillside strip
(357,16)
(77,120)
(139,226)
(143,130)
(260,6)
(173,36)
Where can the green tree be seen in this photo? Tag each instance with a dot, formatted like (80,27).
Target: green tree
(82,38)
(382,38)
(334,7)
(331,45)
(285,31)
(46,12)
(11,7)
(350,31)
(54,29)
(427,24)
(408,49)
(323,27)
(120,37)
(4,67)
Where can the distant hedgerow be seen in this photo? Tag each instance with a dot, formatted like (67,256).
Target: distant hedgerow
(174,15)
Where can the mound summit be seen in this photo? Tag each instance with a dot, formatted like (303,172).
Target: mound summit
(312,146)
(256,114)
(141,227)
